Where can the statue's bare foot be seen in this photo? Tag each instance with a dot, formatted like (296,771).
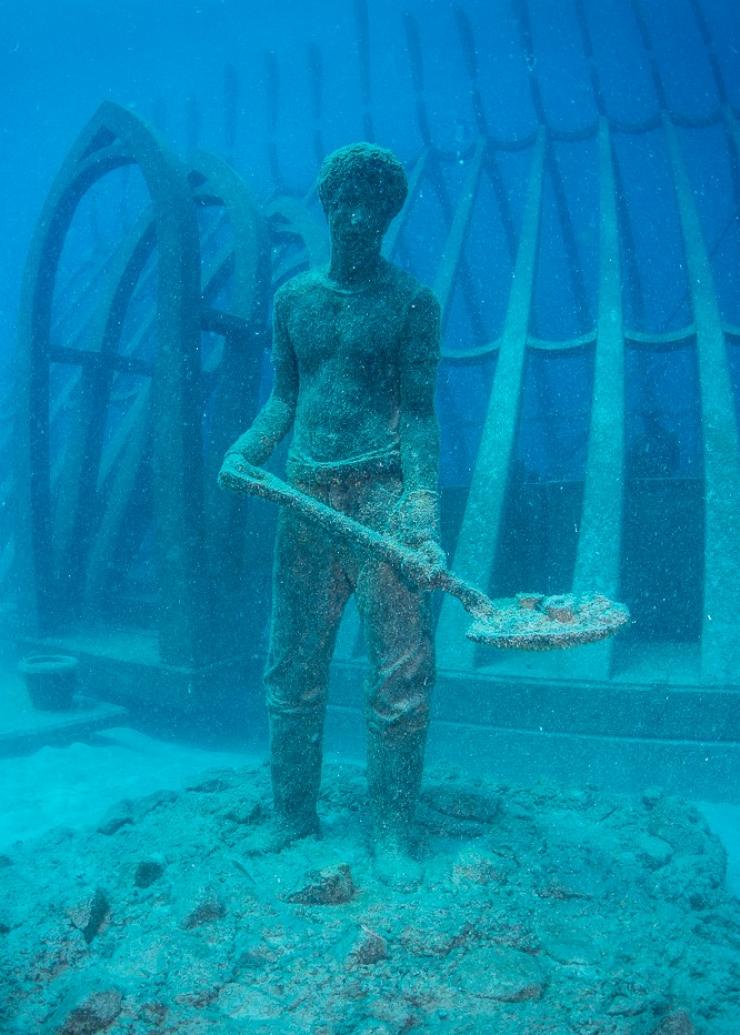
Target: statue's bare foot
(395,866)
(281,832)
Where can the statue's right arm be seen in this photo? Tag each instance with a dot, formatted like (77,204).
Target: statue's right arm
(275,419)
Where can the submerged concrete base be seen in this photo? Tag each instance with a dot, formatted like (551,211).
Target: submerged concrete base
(24,729)
(618,737)
(123,666)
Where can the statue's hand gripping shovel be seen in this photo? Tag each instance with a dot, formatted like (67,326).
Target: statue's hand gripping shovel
(529,622)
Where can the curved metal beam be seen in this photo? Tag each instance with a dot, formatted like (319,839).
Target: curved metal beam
(114,137)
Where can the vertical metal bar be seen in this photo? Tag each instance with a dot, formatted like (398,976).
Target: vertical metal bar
(630,248)
(119,493)
(573,261)
(720,638)
(600,538)
(417,174)
(470,55)
(436,179)
(481,526)
(733,134)
(573,265)
(588,49)
(597,562)
(652,60)
(502,200)
(75,502)
(451,257)
(716,68)
(730,124)
(720,643)
(621,214)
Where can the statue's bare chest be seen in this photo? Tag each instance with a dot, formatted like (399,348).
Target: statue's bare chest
(334,334)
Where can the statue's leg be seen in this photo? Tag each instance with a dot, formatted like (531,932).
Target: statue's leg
(398,631)
(310,590)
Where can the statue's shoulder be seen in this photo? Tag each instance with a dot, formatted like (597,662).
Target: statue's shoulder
(409,288)
(296,289)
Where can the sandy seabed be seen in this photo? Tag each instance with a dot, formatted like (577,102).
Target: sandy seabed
(541,911)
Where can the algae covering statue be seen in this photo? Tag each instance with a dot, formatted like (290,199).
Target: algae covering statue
(355,354)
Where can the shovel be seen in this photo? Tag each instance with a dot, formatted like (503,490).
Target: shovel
(530,621)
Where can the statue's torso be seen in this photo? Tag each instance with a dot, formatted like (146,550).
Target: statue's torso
(347,348)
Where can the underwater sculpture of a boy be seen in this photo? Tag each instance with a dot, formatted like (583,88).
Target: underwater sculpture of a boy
(355,356)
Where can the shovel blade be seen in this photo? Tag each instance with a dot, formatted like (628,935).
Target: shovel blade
(534,622)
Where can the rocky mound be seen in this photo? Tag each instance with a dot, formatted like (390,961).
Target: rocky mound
(542,911)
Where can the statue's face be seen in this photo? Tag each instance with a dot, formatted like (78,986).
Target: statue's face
(355,217)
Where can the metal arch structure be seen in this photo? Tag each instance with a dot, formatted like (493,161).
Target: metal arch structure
(599,553)
(600,537)
(112,139)
(75,498)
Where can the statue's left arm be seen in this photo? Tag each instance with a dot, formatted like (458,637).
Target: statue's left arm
(418,427)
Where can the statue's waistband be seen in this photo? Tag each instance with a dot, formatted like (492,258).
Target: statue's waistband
(307,471)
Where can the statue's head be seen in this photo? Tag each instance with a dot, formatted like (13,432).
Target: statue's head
(362,182)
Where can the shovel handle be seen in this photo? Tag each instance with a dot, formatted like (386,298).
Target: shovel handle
(410,562)
(566,621)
